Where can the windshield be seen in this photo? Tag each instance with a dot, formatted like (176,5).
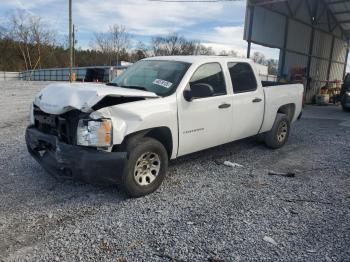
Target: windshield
(160,77)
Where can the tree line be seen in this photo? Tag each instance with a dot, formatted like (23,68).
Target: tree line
(28,43)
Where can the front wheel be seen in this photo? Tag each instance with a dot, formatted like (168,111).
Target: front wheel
(279,133)
(146,168)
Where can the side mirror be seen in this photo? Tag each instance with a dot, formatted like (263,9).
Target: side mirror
(199,90)
(188,95)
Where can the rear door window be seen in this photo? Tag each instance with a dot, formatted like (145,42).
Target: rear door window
(242,77)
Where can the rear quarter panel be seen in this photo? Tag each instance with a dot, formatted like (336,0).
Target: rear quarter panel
(276,97)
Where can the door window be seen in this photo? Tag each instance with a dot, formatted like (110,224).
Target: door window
(242,77)
(210,74)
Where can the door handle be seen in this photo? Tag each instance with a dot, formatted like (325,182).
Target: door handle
(257,100)
(222,106)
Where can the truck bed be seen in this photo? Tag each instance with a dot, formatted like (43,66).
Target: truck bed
(280,95)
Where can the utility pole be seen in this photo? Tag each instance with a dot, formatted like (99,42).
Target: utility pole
(70,42)
(73,45)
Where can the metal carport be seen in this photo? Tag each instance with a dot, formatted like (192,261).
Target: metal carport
(312,35)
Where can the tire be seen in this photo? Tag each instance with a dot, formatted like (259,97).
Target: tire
(279,133)
(345,109)
(146,167)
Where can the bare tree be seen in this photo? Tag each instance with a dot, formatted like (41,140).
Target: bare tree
(31,34)
(259,58)
(142,48)
(140,52)
(113,42)
(102,43)
(3,32)
(272,66)
(231,53)
(40,36)
(120,39)
(203,50)
(172,44)
(175,44)
(20,34)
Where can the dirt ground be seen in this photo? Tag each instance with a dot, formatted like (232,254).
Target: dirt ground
(204,211)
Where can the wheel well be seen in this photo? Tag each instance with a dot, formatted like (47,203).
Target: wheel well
(288,110)
(162,134)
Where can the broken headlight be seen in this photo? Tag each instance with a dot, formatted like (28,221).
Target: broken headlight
(96,133)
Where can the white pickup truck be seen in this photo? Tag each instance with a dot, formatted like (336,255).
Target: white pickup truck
(160,108)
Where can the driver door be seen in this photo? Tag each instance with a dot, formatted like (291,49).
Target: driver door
(205,122)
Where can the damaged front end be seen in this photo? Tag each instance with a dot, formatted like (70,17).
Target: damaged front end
(72,131)
(52,140)
(69,161)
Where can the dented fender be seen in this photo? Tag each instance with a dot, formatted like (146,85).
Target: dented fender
(136,116)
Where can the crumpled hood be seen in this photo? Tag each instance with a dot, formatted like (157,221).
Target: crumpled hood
(59,98)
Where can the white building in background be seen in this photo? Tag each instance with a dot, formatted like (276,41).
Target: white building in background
(262,69)
(263,72)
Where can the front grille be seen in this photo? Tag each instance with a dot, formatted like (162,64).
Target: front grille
(63,126)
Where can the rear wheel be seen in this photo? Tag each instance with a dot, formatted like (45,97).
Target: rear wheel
(279,133)
(146,168)
(346,109)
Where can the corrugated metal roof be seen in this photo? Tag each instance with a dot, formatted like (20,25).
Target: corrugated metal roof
(339,9)
(341,12)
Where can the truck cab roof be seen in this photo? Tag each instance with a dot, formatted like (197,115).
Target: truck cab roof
(200,59)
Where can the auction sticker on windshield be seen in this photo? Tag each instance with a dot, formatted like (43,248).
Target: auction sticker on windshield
(162,83)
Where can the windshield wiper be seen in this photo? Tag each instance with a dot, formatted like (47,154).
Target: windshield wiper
(111,84)
(130,87)
(136,87)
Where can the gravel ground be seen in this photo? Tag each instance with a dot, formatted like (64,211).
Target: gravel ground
(204,211)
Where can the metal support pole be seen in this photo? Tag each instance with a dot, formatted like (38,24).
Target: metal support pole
(283,59)
(250,30)
(311,47)
(248,49)
(330,59)
(70,42)
(346,60)
(310,57)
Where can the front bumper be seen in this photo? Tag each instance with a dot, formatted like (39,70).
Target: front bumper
(77,162)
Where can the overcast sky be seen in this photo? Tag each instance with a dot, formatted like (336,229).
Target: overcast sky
(219,25)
